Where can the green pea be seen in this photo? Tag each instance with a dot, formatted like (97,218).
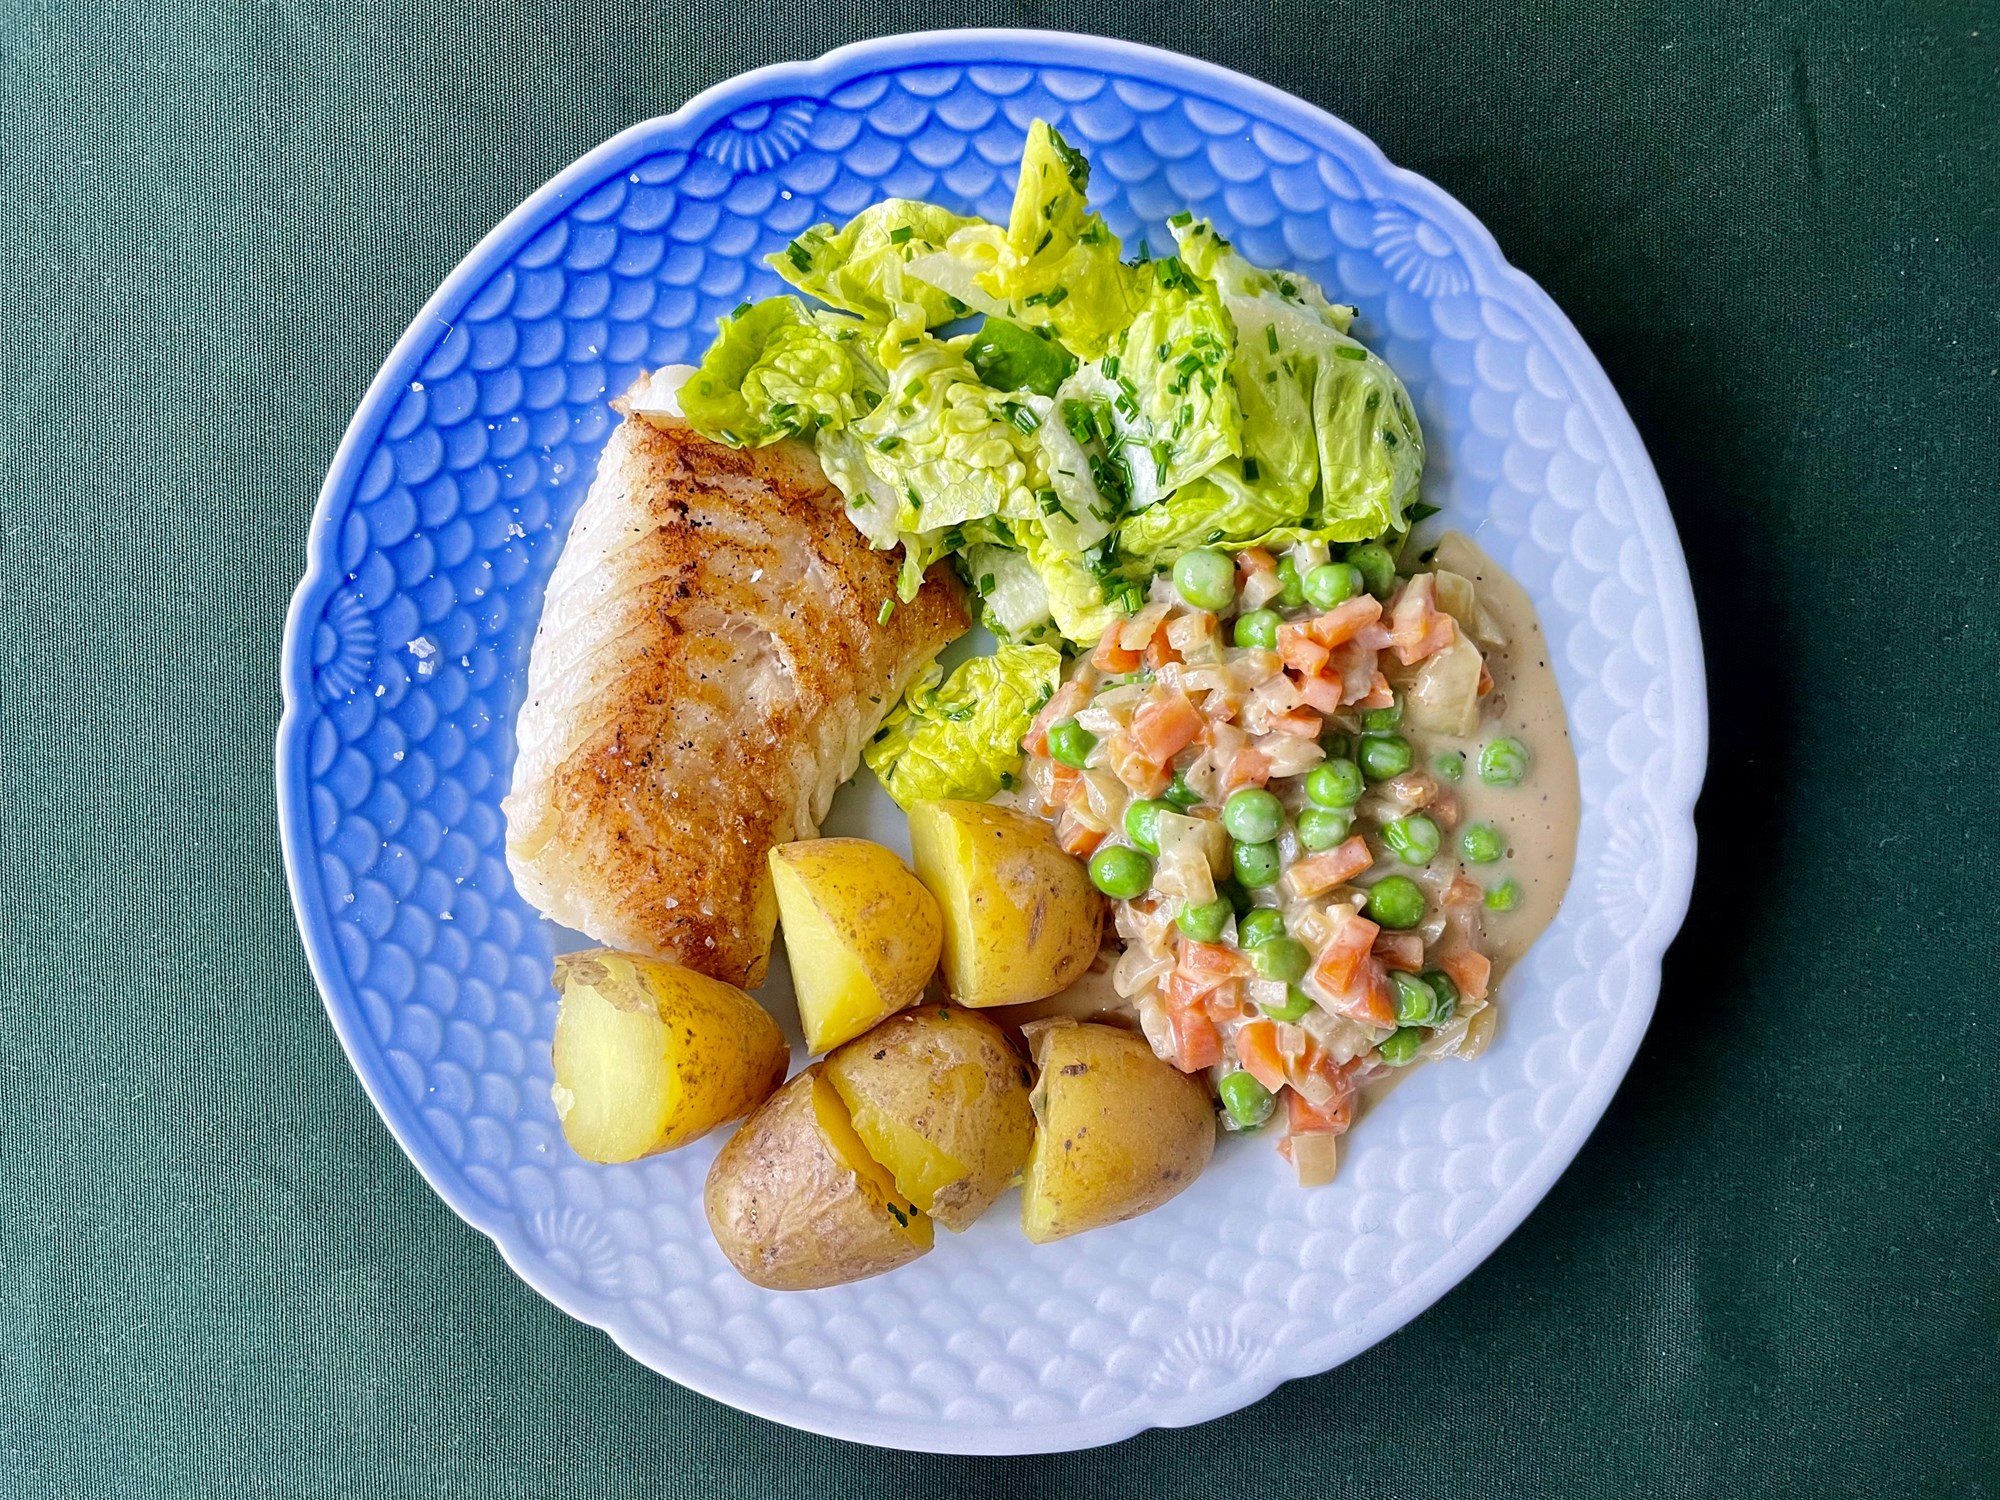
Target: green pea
(1119,872)
(1504,763)
(1399,1048)
(1505,896)
(1253,816)
(1297,1004)
(1259,628)
(1384,755)
(1446,989)
(1481,844)
(1204,923)
(1414,840)
(1335,783)
(1260,925)
(1249,1103)
(1330,584)
(1256,864)
(1336,745)
(1376,567)
(1206,578)
(1323,827)
(1384,718)
(1181,794)
(1282,958)
(1071,743)
(1450,765)
(1230,889)
(1396,901)
(1416,1002)
(1290,593)
(1142,824)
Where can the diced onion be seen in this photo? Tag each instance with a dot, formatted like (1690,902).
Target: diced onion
(1316,1158)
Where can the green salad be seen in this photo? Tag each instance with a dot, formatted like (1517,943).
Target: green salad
(1062,421)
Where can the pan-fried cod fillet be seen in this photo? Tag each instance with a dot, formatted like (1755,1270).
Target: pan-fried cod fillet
(707,669)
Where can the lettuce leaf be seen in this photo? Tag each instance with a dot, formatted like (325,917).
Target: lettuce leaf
(1076,595)
(1055,266)
(961,737)
(1174,408)
(863,267)
(776,370)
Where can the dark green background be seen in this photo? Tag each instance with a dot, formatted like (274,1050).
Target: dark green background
(1773,1269)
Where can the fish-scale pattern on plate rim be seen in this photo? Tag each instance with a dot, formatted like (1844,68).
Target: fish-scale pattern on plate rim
(406,648)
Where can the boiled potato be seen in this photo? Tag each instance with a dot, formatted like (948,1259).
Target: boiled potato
(796,1202)
(1020,916)
(861,931)
(939,1097)
(649,1055)
(1117,1131)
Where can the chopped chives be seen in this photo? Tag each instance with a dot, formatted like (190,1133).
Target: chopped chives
(1057,294)
(799,256)
(741,309)
(901,236)
(1271,337)
(888,444)
(985,583)
(1351,351)
(1183,217)
(1021,416)
(882,615)
(1250,469)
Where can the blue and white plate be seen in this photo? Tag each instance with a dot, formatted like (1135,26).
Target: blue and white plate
(408,640)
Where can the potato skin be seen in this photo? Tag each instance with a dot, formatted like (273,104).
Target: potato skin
(1021,917)
(790,1207)
(649,1055)
(1118,1132)
(863,934)
(940,1097)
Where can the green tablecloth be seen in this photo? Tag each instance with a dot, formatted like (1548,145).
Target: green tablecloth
(1771,1272)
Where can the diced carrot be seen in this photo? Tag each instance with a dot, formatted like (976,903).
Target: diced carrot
(1340,960)
(1471,971)
(1443,631)
(1165,725)
(1379,694)
(1076,837)
(1197,1043)
(1160,651)
(1317,874)
(1257,1051)
(1320,693)
(1368,998)
(1142,774)
(1112,657)
(1185,989)
(1463,891)
(1485,680)
(1225,1002)
(1062,781)
(1068,698)
(1247,767)
(1299,650)
(1211,958)
(1401,950)
(1254,560)
(1302,722)
(1330,1118)
(1345,620)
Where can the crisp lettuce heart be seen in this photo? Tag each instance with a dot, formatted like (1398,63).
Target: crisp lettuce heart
(960,736)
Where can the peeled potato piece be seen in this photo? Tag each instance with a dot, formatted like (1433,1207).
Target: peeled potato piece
(861,931)
(796,1202)
(939,1097)
(649,1055)
(1117,1131)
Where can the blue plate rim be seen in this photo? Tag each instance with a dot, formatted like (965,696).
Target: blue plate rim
(1489,267)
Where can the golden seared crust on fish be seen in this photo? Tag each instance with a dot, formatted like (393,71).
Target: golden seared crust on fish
(707,669)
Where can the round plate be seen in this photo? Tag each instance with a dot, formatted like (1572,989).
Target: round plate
(407,645)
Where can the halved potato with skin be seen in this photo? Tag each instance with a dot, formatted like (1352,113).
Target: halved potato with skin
(939,1097)
(1117,1131)
(648,1055)
(796,1202)
(861,931)
(1021,917)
